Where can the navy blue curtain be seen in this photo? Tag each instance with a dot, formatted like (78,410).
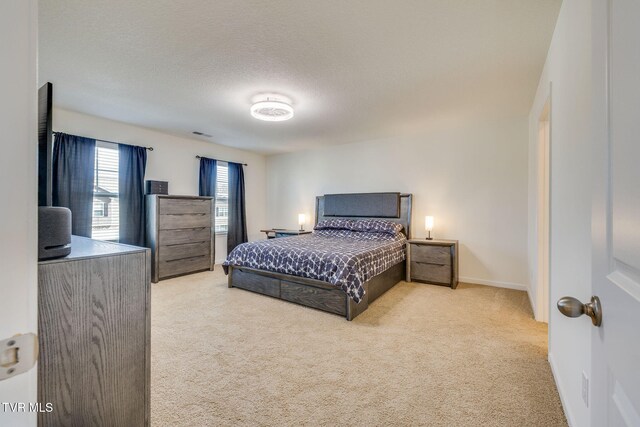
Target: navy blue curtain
(132,162)
(208,175)
(237,232)
(74,159)
(207,187)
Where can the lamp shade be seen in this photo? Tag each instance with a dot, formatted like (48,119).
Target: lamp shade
(302,219)
(428,223)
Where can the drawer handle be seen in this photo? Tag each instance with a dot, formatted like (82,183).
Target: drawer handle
(431,248)
(184,230)
(430,263)
(182,259)
(185,243)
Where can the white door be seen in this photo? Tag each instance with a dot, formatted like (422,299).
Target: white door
(18,210)
(615,387)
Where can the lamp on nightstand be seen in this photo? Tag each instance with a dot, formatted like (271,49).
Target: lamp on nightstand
(301,220)
(428,225)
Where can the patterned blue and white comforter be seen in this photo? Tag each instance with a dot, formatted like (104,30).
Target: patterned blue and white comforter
(345,258)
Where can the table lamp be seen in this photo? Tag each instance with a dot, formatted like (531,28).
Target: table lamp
(301,221)
(428,225)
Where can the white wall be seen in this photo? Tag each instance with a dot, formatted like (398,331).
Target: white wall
(567,70)
(173,159)
(471,176)
(18,184)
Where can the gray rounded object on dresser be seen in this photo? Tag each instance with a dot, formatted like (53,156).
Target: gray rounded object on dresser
(54,232)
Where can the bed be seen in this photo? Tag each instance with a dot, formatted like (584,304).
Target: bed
(354,256)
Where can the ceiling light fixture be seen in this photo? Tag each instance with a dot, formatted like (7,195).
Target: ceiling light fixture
(272,109)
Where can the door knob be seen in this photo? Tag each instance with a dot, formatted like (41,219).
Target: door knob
(572,307)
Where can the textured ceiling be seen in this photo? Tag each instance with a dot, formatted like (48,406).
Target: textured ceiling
(355,69)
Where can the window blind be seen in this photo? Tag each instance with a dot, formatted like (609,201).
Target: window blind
(106,212)
(222,198)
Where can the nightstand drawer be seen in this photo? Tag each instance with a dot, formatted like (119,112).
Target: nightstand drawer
(431,254)
(437,273)
(278,234)
(290,234)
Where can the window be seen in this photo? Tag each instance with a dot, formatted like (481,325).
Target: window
(106,212)
(222,211)
(99,209)
(222,198)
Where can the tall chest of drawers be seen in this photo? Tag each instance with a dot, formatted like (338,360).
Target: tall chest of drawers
(180,235)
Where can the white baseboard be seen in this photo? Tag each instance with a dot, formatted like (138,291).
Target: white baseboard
(554,369)
(220,261)
(497,284)
(532,301)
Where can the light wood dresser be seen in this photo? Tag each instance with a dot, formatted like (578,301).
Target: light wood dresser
(94,335)
(433,261)
(180,235)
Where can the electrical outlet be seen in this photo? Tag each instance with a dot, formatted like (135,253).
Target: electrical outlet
(585,389)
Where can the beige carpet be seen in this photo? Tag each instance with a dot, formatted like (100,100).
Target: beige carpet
(420,355)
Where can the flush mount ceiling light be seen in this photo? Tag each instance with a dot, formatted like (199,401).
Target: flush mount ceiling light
(272,109)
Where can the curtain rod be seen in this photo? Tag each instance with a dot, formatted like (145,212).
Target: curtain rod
(226,161)
(111,142)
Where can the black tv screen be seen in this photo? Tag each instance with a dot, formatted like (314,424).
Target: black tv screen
(45,144)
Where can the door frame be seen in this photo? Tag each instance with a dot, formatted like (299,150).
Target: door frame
(543,210)
(19,253)
(540,207)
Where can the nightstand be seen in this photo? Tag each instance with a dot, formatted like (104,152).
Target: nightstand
(272,233)
(433,261)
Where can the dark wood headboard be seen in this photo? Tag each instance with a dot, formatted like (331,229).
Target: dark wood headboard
(403,217)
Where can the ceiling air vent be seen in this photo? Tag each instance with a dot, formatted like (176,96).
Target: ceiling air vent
(206,135)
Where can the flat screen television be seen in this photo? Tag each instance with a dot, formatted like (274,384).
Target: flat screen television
(45,144)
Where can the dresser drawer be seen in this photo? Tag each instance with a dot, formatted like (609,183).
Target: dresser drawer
(431,254)
(184,206)
(187,235)
(436,273)
(182,266)
(186,250)
(171,222)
